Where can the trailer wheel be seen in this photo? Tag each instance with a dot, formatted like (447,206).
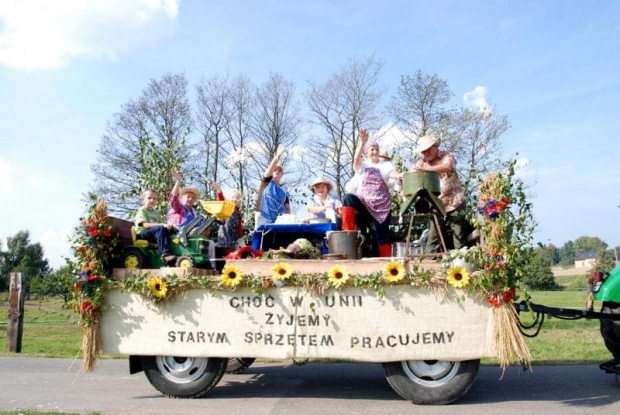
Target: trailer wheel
(183,377)
(431,382)
(610,330)
(238,364)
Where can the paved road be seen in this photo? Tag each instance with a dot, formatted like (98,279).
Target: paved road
(316,388)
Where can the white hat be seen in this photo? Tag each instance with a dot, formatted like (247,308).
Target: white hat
(426,142)
(384,155)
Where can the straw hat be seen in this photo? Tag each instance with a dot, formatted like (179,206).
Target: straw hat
(320,180)
(383,154)
(426,142)
(191,190)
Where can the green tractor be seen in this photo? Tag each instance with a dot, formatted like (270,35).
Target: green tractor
(189,245)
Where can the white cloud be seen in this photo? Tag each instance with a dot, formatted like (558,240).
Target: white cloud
(6,177)
(39,34)
(56,245)
(476,98)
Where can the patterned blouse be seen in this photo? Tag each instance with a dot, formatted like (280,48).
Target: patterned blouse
(452,193)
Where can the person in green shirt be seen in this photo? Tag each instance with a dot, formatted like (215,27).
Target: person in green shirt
(150,225)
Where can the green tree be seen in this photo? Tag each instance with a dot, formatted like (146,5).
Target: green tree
(585,244)
(566,254)
(604,261)
(58,283)
(537,274)
(549,253)
(21,256)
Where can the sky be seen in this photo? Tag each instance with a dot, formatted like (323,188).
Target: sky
(553,67)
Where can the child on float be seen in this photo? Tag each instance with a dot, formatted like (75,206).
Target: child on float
(150,225)
(230,233)
(322,204)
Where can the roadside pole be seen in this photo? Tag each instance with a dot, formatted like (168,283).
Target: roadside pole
(15,329)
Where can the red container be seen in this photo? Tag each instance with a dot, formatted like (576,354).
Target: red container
(348,218)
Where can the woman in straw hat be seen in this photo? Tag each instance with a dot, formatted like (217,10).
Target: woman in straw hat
(452,193)
(322,204)
(371,197)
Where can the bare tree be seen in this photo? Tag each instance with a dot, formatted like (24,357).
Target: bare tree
(241,105)
(213,117)
(339,106)
(473,136)
(420,105)
(142,136)
(275,122)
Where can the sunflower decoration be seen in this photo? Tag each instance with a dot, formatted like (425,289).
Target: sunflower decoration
(282,271)
(159,288)
(338,275)
(232,275)
(394,272)
(458,277)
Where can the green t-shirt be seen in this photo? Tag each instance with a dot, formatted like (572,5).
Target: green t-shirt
(145,215)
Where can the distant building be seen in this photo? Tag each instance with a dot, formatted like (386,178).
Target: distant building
(585,260)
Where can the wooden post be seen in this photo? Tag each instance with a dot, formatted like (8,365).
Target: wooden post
(15,329)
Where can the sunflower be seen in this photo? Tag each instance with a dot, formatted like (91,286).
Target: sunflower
(282,271)
(394,272)
(232,275)
(338,275)
(158,287)
(458,277)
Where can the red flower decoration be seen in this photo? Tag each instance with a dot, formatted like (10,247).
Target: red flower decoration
(81,249)
(92,277)
(509,295)
(494,301)
(107,232)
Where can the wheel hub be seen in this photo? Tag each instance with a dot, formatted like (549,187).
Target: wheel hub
(182,369)
(431,373)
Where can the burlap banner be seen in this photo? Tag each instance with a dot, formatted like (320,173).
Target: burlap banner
(406,324)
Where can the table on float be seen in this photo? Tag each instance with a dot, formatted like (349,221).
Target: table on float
(280,235)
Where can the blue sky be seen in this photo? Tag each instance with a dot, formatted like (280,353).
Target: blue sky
(66,66)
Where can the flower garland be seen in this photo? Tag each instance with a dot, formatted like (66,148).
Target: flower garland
(92,245)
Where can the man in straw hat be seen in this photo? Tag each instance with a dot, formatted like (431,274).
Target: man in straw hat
(322,204)
(452,193)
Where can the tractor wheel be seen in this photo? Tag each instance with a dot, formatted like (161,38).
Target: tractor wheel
(431,382)
(183,377)
(185,262)
(134,258)
(238,364)
(610,330)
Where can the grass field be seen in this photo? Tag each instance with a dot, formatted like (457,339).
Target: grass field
(51,331)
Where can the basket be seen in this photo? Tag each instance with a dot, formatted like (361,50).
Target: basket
(221,209)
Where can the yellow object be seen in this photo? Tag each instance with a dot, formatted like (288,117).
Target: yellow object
(221,209)
(142,243)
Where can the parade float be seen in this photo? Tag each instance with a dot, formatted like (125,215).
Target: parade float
(427,321)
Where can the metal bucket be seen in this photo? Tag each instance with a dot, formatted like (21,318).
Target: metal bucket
(348,243)
(413,181)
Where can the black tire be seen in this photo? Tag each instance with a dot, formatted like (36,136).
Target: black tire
(185,261)
(610,330)
(239,364)
(133,258)
(183,377)
(431,382)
